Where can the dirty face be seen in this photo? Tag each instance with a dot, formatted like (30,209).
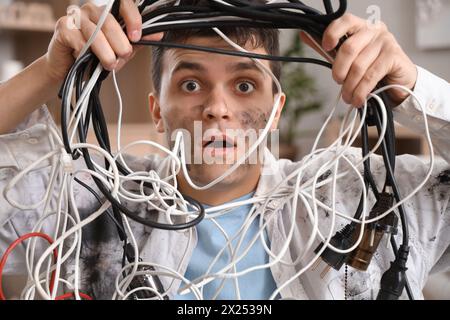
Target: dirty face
(216,100)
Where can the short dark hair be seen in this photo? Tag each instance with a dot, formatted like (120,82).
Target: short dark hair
(257,37)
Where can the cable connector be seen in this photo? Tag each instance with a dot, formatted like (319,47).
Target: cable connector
(66,161)
(393,280)
(146,280)
(361,257)
(341,240)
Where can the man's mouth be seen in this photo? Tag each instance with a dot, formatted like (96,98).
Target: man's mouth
(219,145)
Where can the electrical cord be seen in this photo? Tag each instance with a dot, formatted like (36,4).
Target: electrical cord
(12,246)
(393,287)
(235,53)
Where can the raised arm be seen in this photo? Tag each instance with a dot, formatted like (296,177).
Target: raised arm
(40,81)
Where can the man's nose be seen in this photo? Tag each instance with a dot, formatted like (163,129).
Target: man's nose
(216,106)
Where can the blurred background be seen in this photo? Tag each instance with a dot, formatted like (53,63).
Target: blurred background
(421,27)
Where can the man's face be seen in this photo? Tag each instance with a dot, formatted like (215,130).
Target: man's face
(215,98)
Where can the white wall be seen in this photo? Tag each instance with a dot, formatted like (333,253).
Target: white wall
(399,15)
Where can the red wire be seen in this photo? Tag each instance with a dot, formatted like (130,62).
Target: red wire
(13,246)
(55,255)
(71,295)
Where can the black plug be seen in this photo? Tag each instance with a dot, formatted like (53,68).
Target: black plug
(341,240)
(393,280)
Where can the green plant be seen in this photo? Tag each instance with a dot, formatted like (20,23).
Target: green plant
(300,94)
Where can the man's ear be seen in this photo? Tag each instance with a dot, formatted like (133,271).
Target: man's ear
(155,111)
(280,109)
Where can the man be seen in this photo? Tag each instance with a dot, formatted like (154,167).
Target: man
(231,93)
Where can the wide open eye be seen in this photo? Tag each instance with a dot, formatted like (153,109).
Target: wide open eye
(245,87)
(190,86)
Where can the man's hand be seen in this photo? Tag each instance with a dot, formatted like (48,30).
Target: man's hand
(40,81)
(111,44)
(369,55)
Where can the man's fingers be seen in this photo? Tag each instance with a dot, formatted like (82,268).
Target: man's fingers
(112,45)
(376,72)
(154,37)
(357,70)
(347,24)
(133,20)
(77,43)
(113,33)
(348,52)
(71,38)
(101,47)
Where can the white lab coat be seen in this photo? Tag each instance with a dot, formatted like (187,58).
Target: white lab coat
(428,212)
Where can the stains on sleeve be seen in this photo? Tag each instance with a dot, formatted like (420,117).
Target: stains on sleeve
(444,177)
(324,176)
(441,186)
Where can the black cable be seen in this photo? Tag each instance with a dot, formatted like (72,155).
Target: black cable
(407,285)
(268,16)
(365,151)
(368,177)
(236,53)
(206,12)
(328,6)
(119,224)
(388,154)
(64,95)
(248,9)
(115,8)
(390,178)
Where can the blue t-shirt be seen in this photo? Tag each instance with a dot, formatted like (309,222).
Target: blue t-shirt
(256,285)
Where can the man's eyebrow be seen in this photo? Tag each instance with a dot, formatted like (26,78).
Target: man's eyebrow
(186,65)
(242,66)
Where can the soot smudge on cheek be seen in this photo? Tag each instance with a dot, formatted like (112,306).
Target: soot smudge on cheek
(253,119)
